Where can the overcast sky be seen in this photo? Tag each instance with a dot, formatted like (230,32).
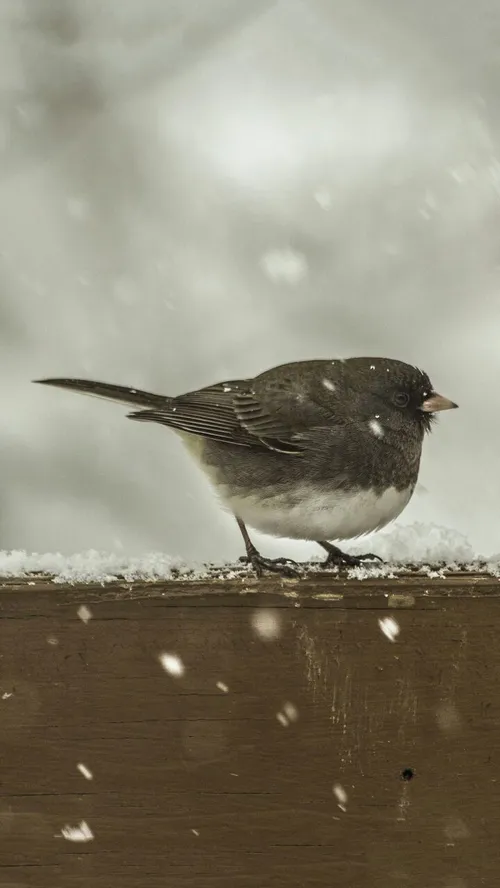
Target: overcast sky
(191,192)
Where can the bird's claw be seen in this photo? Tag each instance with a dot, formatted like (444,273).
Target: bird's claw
(342,559)
(283,566)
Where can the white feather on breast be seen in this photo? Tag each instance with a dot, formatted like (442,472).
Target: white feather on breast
(319,515)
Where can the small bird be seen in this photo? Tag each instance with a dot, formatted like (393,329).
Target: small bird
(313,450)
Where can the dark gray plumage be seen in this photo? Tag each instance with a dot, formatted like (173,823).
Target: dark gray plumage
(317,450)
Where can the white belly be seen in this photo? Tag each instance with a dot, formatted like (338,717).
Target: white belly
(319,515)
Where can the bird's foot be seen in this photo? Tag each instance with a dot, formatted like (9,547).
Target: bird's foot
(337,558)
(283,566)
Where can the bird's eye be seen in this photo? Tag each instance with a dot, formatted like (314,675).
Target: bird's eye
(401,399)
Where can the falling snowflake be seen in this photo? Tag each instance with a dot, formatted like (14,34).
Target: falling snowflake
(84,613)
(323,198)
(222,687)
(389,627)
(376,428)
(172,664)
(448,717)
(328,385)
(456,829)
(78,207)
(81,833)
(341,796)
(266,624)
(291,712)
(288,714)
(455,882)
(284,266)
(87,773)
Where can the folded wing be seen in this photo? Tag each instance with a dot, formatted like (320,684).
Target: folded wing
(232,413)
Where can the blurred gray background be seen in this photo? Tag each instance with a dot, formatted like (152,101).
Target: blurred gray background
(194,191)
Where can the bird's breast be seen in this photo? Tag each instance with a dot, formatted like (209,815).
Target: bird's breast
(310,513)
(259,494)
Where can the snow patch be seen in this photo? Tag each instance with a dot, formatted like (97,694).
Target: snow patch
(419,544)
(90,566)
(428,547)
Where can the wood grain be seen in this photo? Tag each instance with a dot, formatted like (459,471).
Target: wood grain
(195,787)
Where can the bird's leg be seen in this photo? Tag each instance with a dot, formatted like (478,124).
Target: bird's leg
(284,566)
(337,558)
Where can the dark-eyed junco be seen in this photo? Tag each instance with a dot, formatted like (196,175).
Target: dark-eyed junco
(314,450)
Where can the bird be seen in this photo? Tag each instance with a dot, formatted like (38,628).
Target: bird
(320,450)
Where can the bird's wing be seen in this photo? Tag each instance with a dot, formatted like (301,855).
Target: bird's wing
(237,413)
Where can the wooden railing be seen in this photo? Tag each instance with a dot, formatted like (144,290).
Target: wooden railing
(250,734)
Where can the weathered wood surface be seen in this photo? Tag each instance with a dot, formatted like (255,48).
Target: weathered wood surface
(198,788)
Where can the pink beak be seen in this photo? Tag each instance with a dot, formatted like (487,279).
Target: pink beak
(437,402)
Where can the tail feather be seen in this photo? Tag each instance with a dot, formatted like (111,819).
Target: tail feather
(121,393)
